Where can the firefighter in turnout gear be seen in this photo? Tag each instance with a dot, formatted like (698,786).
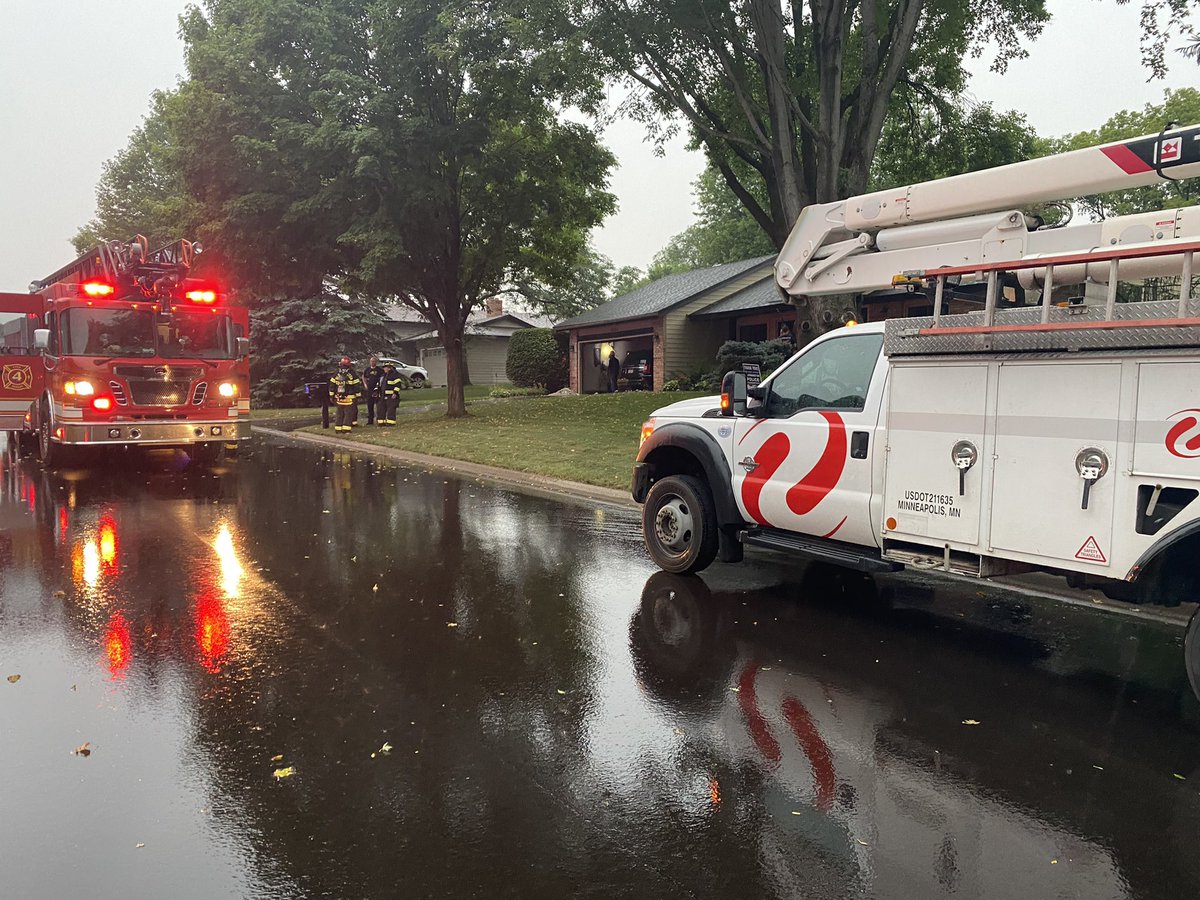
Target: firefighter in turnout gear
(390,386)
(344,390)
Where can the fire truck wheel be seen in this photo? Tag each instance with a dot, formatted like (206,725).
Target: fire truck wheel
(50,453)
(1191,652)
(679,522)
(207,454)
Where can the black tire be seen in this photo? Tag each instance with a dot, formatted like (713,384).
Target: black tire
(679,524)
(1191,653)
(210,453)
(51,454)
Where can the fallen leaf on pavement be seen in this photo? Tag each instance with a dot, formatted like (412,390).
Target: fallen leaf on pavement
(1054,862)
(386,748)
(971,722)
(286,772)
(1180,777)
(84,749)
(563,693)
(139,846)
(277,758)
(13,679)
(375,590)
(451,624)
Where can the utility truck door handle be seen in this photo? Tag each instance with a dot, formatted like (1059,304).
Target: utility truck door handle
(964,455)
(859,441)
(1091,463)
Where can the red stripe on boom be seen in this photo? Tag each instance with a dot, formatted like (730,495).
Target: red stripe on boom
(1130,162)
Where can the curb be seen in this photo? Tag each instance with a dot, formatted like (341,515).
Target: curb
(538,485)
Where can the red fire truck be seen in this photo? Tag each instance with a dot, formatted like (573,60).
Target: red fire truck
(123,348)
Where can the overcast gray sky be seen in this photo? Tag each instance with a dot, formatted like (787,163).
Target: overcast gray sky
(76,77)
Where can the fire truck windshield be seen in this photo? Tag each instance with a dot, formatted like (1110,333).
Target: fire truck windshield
(185,334)
(107,332)
(195,334)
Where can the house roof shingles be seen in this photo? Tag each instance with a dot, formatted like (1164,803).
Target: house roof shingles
(659,296)
(760,295)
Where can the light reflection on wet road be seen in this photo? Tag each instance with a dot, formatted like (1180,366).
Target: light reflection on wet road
(560,719)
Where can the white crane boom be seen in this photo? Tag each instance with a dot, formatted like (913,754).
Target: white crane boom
(859,244)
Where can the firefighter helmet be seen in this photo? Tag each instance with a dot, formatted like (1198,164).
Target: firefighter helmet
(345,362)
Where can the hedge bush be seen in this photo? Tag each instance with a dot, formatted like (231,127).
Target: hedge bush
(537,357)
(769,355)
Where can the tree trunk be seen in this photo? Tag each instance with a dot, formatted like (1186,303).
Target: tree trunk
(456,370)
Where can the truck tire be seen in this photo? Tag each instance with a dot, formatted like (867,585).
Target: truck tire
(679,523)
(1191,653)
(51,454)
(210,453)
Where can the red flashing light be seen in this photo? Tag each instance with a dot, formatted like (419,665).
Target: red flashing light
(202,296)
(96,289)
(102,403)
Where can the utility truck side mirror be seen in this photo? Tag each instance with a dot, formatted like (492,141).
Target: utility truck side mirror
(733,394)
(41,338)
(243,347)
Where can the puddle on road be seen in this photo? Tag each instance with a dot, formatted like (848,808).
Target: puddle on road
(238,648)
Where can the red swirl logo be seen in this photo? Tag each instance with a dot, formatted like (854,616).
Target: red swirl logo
(1183,440)
(803,497)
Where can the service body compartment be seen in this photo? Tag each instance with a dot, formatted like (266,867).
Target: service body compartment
(934,407)
(1047,414)
(1167,433)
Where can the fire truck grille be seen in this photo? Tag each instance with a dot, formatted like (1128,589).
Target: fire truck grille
(158,393)
(118,393)
(199,393)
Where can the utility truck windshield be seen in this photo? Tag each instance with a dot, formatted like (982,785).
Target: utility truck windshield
(185,334)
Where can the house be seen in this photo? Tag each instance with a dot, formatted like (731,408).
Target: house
(678,323)
(485,342)
(652,323)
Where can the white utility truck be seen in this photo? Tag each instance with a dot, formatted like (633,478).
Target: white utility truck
(1062,435)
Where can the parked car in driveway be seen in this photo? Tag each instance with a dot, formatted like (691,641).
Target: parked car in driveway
(637,373)
(416,375)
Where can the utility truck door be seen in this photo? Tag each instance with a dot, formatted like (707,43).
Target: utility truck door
(805,465)
(1056,465)
(21,369)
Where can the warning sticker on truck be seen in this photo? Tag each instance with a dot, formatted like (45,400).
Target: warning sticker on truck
(1091,551)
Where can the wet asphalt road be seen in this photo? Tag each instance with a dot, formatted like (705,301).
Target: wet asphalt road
(562,720)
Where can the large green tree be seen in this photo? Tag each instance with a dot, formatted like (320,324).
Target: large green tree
(788,100)
(407,149)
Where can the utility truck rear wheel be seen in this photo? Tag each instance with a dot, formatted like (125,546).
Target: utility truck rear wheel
(1191,653)
(679,522)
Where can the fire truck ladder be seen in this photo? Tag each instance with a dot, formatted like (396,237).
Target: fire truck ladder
(134,261)
(1070,326)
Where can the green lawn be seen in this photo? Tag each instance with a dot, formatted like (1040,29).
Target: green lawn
(410,398)
(592,439)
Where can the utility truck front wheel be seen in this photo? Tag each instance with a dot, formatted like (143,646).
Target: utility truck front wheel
(679,522)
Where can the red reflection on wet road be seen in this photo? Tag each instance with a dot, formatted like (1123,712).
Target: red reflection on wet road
(212,631)
(108,543)
(118,645)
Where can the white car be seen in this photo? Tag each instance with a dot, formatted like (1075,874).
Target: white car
(416,375)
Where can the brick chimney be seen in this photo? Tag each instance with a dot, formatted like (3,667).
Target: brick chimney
(495,307)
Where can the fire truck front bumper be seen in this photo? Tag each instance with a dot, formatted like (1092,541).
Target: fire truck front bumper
(161,434)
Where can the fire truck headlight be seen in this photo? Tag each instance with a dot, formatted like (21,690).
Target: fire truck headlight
(80,388)
(102,403)
(227,389)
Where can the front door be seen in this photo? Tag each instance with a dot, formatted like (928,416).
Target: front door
(805,464)
(21,369)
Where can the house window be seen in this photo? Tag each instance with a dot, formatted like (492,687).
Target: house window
(752,332)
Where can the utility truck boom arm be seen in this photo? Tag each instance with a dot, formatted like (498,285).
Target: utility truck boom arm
(975,217)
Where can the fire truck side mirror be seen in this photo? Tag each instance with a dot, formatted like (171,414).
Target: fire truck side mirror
(733,394)
(243,347)
(41,338)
